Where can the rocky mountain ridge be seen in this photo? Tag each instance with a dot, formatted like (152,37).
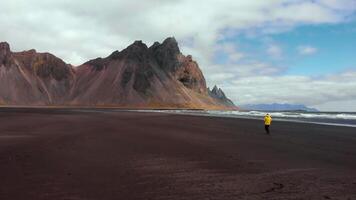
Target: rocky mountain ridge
(159,76)
(218,93)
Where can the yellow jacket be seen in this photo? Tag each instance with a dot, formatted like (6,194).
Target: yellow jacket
(268,120)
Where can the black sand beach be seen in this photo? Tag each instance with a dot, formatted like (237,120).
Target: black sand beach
(92,154)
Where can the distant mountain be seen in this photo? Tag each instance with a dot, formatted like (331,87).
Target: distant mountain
(159,76)
(218,93)
(277,107)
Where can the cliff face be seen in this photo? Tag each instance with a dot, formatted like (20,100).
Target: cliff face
(31,78)
(159,76)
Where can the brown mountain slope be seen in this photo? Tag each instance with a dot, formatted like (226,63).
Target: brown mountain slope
(31,78)
(137,77)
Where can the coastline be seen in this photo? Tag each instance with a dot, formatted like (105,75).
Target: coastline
(205,113)
(187,111)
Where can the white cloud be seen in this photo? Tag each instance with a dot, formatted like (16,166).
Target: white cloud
(226,73)
(84,29)
(275,51)
(323,93)
(305,12)
(339,4)
(93,28)
(231,51)
(307,50)
(337,106)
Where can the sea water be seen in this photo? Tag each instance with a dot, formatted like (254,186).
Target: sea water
(326,118)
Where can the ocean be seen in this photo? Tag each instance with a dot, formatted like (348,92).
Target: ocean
(325,118)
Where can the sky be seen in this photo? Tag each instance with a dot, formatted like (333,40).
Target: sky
(271,51)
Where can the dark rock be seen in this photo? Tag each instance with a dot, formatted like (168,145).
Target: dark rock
(142,80)
(218,93)
(190,58)
(97,64)
(126,77)
(4,48)
(166,54)
(115,55)
(136,76)
(47,65)
(154,46)
(188,80)
(136,52)
(4,53)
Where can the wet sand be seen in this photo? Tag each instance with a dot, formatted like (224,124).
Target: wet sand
(94,154)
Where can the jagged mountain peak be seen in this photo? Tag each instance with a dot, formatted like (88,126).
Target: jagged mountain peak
(4,46)
(219,94)
(154,45)
(137,77)
(4,51)
(170,41)
(31,51)
(167,54)
(136,50)
(171,45)
(138,44)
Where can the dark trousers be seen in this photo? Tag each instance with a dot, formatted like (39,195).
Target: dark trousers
(267,129)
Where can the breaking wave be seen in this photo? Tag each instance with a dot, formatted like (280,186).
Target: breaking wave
(325,118)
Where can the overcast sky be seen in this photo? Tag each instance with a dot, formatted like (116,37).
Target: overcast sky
(258,51)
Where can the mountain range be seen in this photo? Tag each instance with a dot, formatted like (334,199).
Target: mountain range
(278,107)
(159,76)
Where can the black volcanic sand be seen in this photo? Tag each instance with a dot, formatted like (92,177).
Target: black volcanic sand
(93,154)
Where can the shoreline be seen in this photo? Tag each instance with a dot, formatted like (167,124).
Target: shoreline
(183,111)
(246,117)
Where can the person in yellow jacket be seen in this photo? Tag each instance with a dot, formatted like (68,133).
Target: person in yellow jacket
(268,121)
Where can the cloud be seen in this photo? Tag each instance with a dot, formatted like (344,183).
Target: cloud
(305,12)
(275,51)
(222,74)
(307,50)
(337,106)
(339,4)
(319,92)
(80,30)
(230,50)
